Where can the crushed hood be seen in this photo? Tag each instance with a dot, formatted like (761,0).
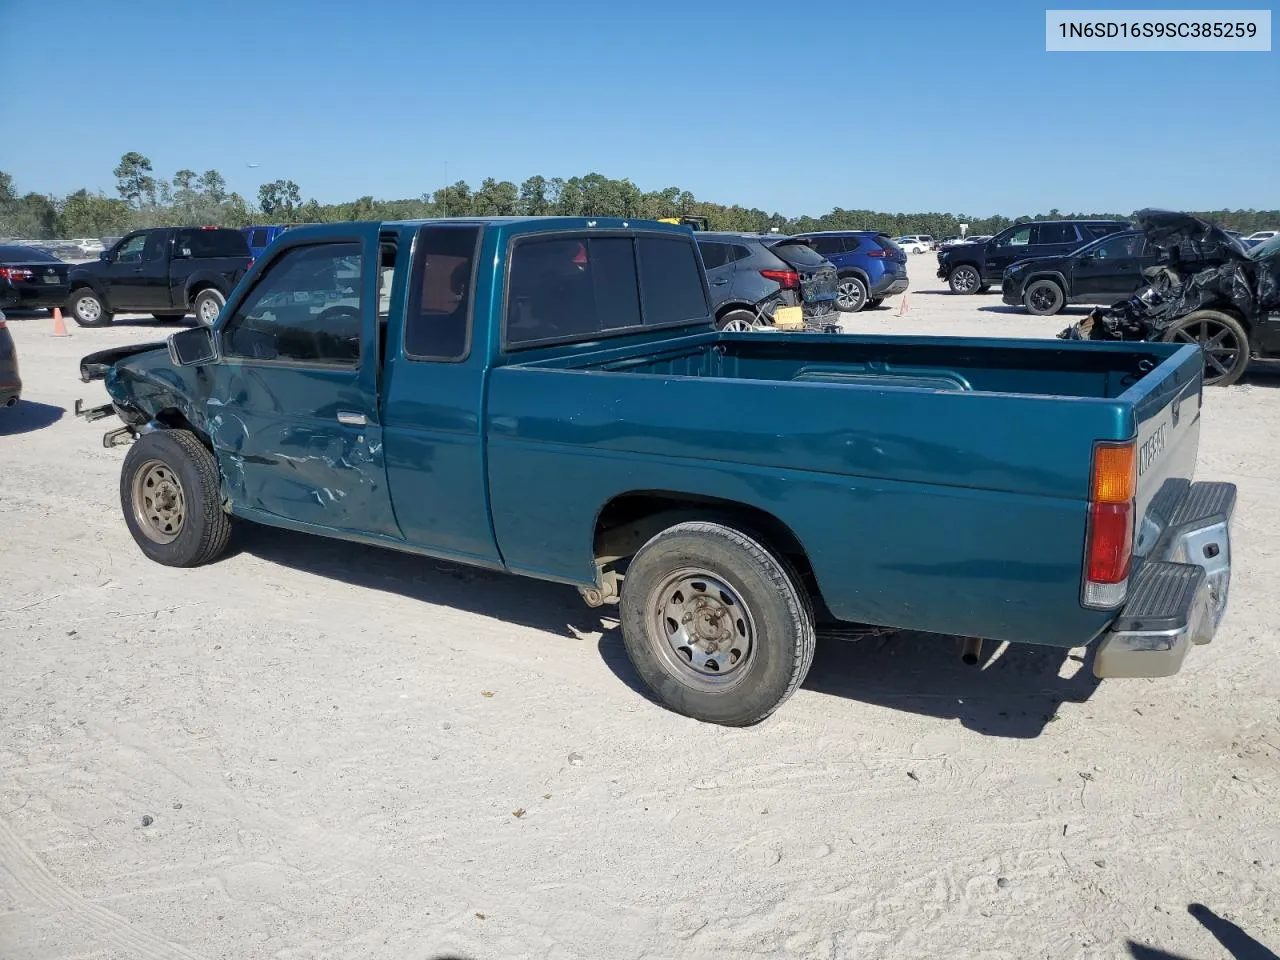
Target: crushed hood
(1167,228)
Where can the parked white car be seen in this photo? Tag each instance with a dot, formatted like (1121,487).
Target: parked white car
(915,244)
(1260,235)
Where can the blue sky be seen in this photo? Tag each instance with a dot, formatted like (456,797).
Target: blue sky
(902,106)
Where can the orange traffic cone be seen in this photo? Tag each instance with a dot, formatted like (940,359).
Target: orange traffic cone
(903,306)
(59,328)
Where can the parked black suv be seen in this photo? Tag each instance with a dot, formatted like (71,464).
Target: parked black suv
(165,271)
(973,267)
(1103,271)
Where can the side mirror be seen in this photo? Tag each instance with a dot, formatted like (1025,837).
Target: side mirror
(105,256)
(189,348)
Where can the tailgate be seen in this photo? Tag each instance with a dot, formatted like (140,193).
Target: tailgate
(1167,412)
(817,274)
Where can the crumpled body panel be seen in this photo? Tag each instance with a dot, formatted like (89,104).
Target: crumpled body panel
(1235,282)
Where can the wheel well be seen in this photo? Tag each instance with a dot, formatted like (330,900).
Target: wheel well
(856,273)
(628,521)
(1051,277)
(730,307)
(199,287)
(172,418)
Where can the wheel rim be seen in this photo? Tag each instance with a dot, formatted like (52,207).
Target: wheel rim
(159,504)
(209,310)
(1043,297)
(964,279)
(88,308)
(849,294)
(1218,343)
(701,629)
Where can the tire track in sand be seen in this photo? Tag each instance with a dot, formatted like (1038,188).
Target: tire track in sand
(31,876)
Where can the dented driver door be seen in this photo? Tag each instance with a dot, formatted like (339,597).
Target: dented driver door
(293,409)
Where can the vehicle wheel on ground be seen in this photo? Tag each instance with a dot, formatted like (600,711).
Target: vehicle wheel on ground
(87,309)
(737,321)
(717,626)
(169,494)
(851,294)
(207,305)
(964,279)
(1221,338)
(875,302)
(1043,298)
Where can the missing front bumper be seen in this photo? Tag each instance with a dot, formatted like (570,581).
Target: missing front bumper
(1178,596)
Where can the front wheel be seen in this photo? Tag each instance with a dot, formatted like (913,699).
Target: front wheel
(851,294)
(1043,298)
(964,279)
(1222,340)
(169,494)
(87,309)
(207,305)
(716,625)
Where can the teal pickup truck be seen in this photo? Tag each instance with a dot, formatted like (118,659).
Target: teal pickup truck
(549,397)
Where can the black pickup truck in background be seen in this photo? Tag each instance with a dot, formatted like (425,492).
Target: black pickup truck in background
(164,271)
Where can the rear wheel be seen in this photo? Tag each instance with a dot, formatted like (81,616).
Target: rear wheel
(851,294)
(717,626)
(737,321)
(964,279)
(87,309)
(207,305)
(1222,340)
(169,494)
(1043,298)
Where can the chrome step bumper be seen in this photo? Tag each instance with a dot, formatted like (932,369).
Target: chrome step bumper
(1178,595)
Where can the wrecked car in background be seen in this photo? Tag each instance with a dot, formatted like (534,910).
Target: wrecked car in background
(1208,289)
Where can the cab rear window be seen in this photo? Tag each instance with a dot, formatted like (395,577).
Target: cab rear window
(579,287)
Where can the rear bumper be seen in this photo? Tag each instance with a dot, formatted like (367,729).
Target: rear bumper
(1178,596)
(888,285)
(39,296)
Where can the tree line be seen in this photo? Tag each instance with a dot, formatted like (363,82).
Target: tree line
(188,197)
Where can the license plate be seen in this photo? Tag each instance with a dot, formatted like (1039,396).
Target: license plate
(50,278)
(789,318)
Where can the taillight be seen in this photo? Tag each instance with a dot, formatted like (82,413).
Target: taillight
(15,273)
(878,252)
(1109,541)
(786,279)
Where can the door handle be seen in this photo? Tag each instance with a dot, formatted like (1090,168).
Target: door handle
(352,419)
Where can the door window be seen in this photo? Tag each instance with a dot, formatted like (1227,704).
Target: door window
(305,309)
(1058,233)
(1019,238)
(827,246)
(437,325)
(1118,248)
(713,254)
(131,250)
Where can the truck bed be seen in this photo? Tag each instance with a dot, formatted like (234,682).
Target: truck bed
(939,484)
(1042,368)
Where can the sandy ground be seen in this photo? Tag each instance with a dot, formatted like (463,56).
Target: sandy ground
(317,750)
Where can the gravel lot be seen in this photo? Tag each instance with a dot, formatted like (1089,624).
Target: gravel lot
(318,750)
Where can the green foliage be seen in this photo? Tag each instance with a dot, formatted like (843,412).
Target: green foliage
(191,198)
(134,180)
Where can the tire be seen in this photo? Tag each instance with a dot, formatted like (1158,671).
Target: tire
(207,305)
(851,294)
(1222,339)
(737,321)
(964,279)
(182,528)
(709,571)
(875,302)
(87,309)
(1044,298)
